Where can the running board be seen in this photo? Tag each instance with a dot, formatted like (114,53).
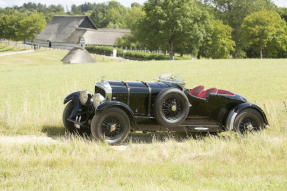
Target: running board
(182,128)
(201,128)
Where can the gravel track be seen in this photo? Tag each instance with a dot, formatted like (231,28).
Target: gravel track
(29,139)
(15,52)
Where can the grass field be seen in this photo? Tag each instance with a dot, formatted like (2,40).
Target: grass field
(9,48)
(34,85)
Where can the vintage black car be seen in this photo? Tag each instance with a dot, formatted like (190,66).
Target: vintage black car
(118,107)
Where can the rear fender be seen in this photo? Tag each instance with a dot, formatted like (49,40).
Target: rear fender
(123,106)
(233,113)
(252,106)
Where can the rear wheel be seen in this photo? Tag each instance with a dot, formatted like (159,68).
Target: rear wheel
(171,107)
(248,120)
(111,126)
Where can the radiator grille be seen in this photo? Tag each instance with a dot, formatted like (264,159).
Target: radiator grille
(100,91)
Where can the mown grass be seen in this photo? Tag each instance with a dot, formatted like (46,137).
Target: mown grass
(34,85)
(9,48)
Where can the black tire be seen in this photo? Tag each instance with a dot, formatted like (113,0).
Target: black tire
(102,124)
(165,101)
(70,127)
(248,120)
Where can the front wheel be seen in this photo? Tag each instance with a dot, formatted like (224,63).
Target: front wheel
(249,120)
(70,126)
(111,125)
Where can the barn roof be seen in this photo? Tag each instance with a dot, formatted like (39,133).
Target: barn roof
(104,37)
(63,29)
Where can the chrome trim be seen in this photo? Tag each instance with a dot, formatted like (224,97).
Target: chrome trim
(179,83)
(98,100)
(107,87)
(169,78)
(201,128)
(230,120)
(143,117)
(83,100)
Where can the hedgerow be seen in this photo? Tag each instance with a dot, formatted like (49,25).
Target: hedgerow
(132,55)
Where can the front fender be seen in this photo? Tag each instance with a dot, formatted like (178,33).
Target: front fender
(123,106)
(75,95)
(71,96)
(78,108)
(233,113)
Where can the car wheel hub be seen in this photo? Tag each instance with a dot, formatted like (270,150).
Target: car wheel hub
(113,127)
(248,125)
(173,108)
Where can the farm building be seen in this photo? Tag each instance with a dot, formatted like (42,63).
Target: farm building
(77,31)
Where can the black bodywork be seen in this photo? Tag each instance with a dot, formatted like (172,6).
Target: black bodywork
(137,99)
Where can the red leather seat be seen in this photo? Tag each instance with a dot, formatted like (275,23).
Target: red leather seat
(225,92)
(204,94)
(196,91)
(201,93)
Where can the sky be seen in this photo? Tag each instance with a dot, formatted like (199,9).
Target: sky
(65,3)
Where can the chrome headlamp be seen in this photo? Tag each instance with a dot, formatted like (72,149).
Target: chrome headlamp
(98,99)
(84,96)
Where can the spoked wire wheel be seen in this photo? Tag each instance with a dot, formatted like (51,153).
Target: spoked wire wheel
(248,125)
(111,125)
(112,128)
(171,107)
(249,121)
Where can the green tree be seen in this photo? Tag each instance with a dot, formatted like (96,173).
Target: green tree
(9,24)
(218,43)
(135,4)
(75,10)
(129,42)
(233,12)
(111,15)
(116,14)
(134,15)
(30,26)
(55,9)
(283,13)
(170,24)
(86,7)
(21,26)
(115,19)
(29,8)
(98,16)
(264,28)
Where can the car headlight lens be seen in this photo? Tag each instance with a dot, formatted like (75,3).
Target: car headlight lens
(98,99)
(84,96)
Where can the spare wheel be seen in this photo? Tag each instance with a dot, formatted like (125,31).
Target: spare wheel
(171,107)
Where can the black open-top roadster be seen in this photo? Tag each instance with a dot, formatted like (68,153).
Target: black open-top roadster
(118,107)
